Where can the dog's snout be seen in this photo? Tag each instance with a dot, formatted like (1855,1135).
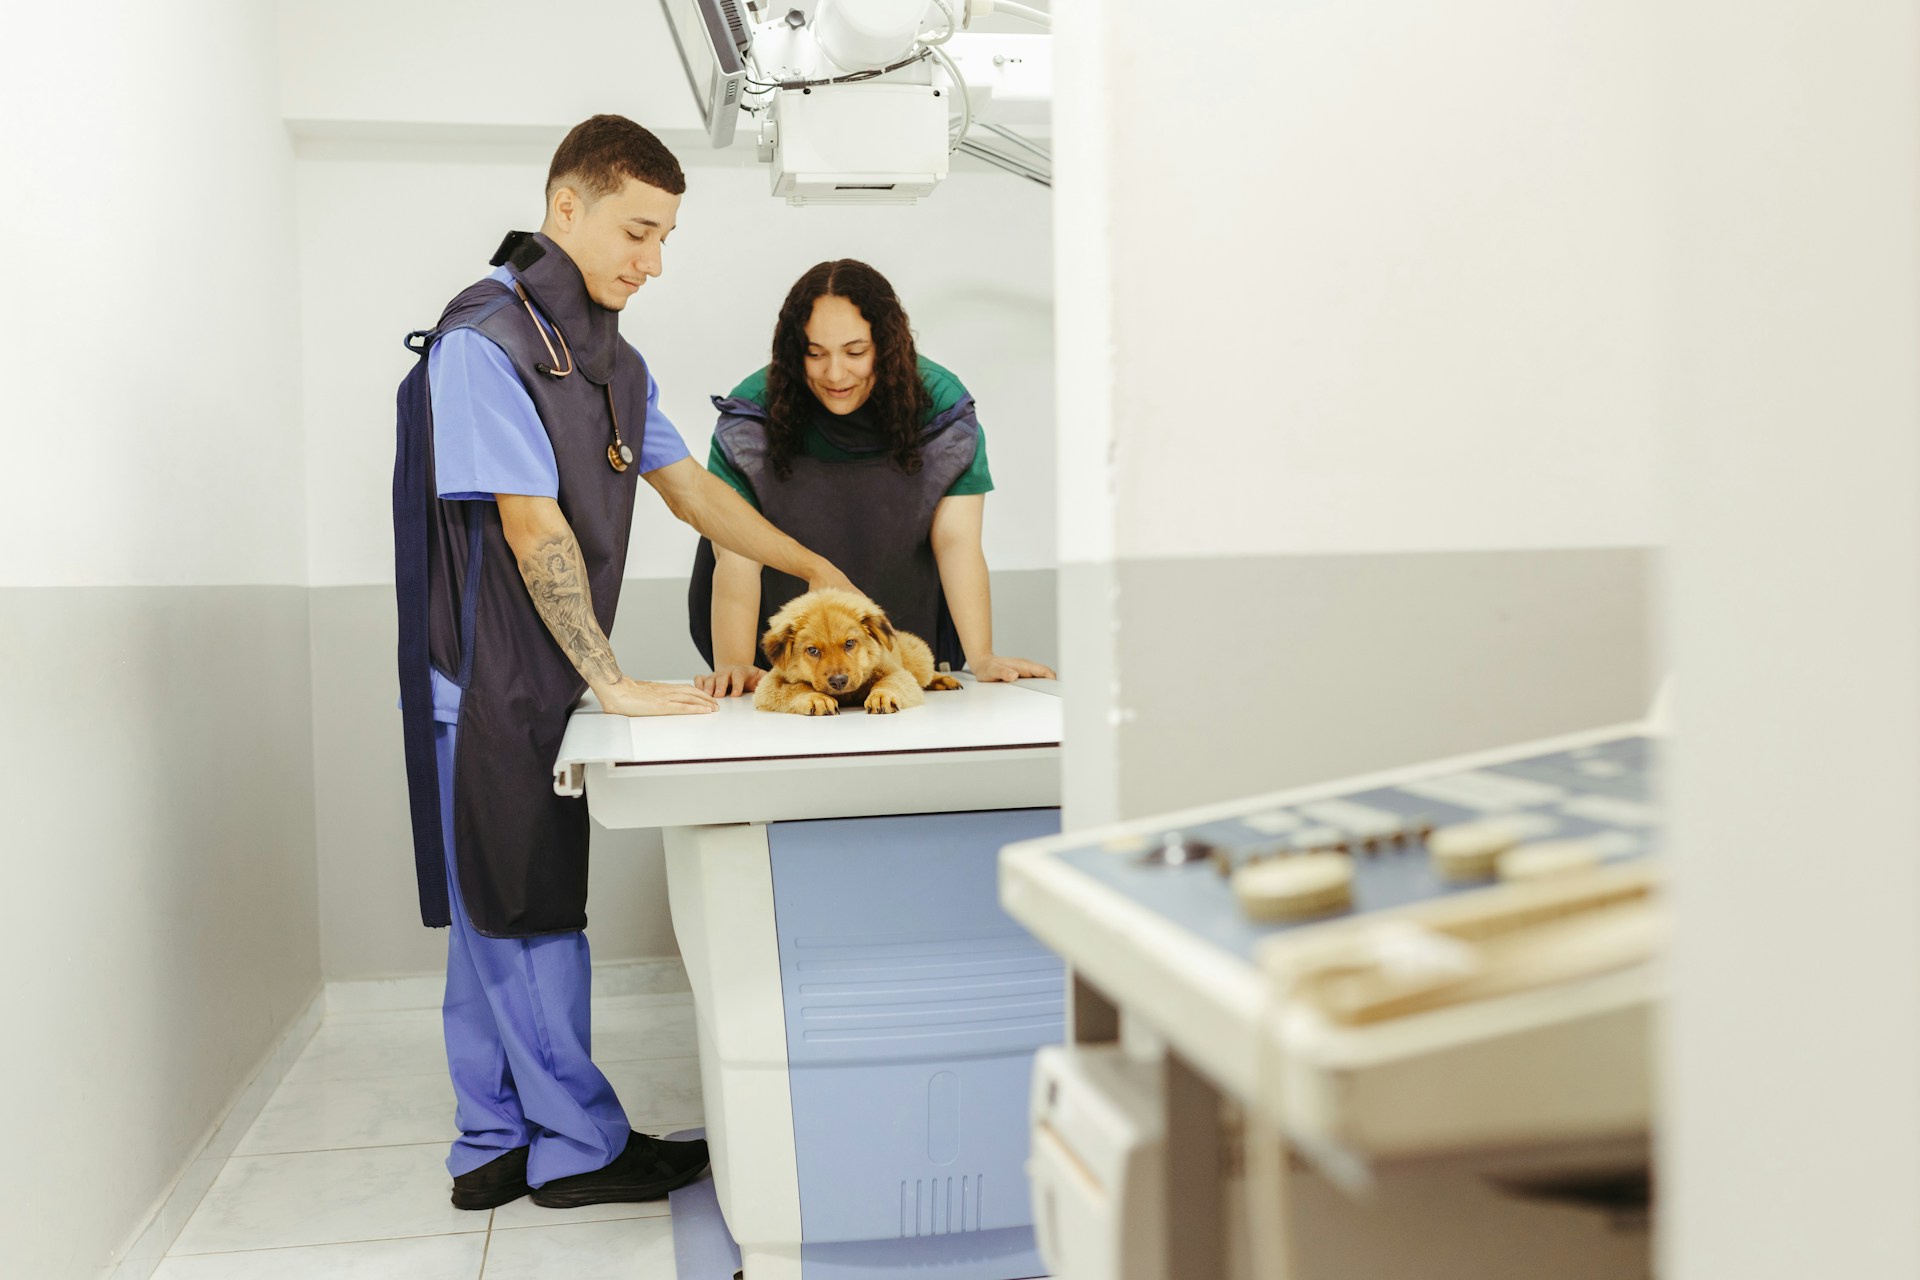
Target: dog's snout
(837,681)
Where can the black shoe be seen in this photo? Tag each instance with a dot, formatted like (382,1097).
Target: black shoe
(499,1181)
(646,1170)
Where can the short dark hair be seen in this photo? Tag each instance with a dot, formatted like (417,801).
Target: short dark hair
(598,156)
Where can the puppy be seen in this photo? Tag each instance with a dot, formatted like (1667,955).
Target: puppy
(833,649)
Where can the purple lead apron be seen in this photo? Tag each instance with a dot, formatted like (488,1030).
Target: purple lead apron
(866,515)
(521,850)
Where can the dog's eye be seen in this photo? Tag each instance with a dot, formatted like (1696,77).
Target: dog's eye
(812,652)
(850,641)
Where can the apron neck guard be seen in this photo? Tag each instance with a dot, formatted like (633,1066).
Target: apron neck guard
(560,291)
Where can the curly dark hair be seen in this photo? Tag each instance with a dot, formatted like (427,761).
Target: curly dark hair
(900,402)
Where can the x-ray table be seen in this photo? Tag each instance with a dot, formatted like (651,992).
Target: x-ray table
(867,1014)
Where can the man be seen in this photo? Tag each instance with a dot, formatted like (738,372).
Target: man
(522,436)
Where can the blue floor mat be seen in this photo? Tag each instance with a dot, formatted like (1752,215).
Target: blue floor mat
(703,1248)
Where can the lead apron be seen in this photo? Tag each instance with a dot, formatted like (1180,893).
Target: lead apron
(520,850)
(872,520)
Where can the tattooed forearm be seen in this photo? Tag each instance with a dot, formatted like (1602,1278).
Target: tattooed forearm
(556,578)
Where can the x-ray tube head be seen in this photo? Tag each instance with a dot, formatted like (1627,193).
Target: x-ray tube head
(712,38)
(862,34)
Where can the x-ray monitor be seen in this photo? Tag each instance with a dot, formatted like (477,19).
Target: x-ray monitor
(711,36)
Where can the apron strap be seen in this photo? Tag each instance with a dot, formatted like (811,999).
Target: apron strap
(412,529)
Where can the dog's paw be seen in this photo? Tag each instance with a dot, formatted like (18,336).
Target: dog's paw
(940,684)
(882,702)
(810,703)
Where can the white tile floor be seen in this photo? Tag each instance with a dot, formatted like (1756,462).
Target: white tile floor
(341,1176)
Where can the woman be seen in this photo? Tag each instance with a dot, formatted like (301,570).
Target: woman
(871,455)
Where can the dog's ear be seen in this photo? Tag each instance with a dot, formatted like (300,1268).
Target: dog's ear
(777,643)
(877,626)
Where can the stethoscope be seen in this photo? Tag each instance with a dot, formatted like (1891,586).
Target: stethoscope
(619,456)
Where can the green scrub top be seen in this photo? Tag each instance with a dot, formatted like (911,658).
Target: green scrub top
(946,391)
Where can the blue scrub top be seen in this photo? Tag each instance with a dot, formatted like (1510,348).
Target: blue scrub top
(487,438)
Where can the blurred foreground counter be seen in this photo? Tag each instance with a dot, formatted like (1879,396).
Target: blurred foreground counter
(1398,1025)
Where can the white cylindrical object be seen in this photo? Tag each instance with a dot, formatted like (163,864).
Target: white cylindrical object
(1546,858)
(862,34)
(1470,850)
(980,8)
(1295,888)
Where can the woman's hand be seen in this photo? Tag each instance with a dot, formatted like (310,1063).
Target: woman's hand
(730,681)
(994,667)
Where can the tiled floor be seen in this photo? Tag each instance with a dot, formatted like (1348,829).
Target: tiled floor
(341,1176)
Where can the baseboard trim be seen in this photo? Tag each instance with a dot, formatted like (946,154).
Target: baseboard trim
(163,1224)
(425,990)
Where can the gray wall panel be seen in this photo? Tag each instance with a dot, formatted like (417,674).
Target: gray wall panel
(156,777)
(369,918)
(369,907)
(1244,675)
(1089,755)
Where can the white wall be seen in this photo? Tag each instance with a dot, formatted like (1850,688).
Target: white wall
(461,68)
(1392,294)
(971,265)
(1406,307)
(156,769)
(416,152)
(414,162)
(1792,1140)
(152,427)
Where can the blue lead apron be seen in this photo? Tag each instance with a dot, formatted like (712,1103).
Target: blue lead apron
(520,850)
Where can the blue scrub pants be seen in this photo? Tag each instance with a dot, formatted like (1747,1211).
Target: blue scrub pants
(519,1039)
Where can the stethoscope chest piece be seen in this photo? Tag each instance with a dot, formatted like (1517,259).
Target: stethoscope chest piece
(619,456)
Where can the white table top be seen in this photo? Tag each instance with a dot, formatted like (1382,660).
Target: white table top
(976,717)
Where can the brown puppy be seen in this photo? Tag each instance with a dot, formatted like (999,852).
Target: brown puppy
(833,649)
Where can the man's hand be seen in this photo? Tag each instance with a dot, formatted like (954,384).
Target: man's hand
(825,575)
(710,505)
(730,681)
(646,698)
(994,667)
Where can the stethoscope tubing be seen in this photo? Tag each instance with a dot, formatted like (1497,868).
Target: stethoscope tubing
(619,456)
